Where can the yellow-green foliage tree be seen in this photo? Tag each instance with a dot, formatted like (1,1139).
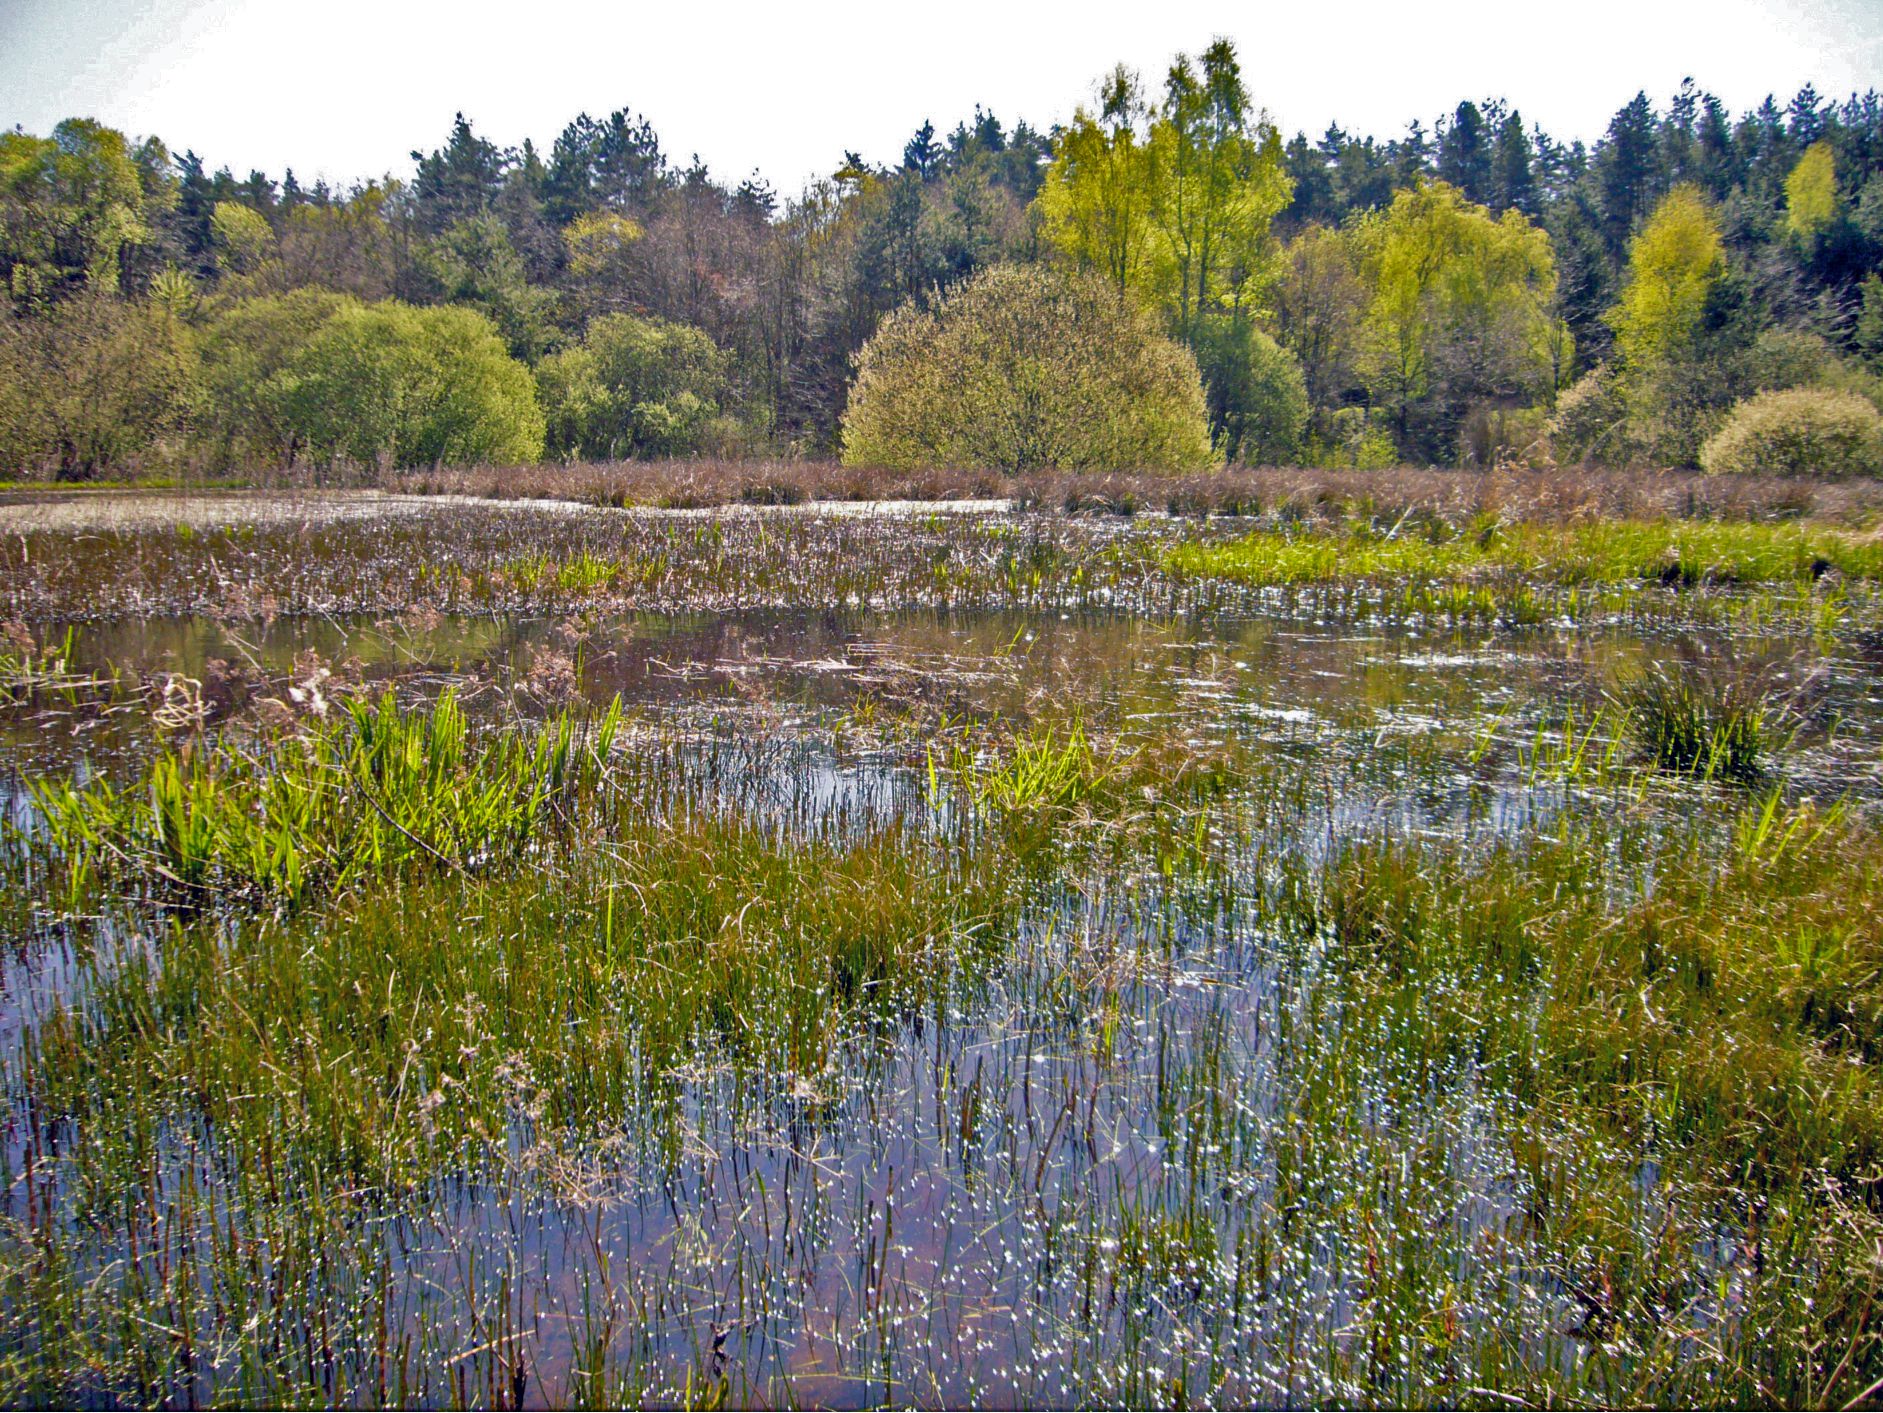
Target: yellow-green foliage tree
(1022,368)
(1093,199)
(1458,313)
(414,387)
(1216,181)
(250,351)
(1175,203)
(601,247)
(71,204)
(1811,191)
(242,238)
(92,386)
(1675,264)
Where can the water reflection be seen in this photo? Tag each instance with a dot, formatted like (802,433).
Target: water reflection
(1078,1176)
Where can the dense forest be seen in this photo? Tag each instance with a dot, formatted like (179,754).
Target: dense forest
(1455,295)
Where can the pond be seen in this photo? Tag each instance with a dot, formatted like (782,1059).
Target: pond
(1172,1035)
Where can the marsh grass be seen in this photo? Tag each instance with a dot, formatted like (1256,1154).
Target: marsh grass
(30,669)
(1521,1115)
(1674,554)
(1718,720)
(1060,1012)
(1042,771)
(1423,571)
(322,808)
(1660,1037)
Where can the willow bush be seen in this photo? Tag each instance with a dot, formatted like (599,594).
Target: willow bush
(1798,432)
(1023,369)
(415,387)
(633,387)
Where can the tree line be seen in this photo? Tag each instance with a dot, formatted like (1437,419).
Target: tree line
(1448,296)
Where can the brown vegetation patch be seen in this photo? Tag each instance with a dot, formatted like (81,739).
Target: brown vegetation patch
(1554,495)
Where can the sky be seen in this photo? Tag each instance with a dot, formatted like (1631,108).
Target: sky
(345,89)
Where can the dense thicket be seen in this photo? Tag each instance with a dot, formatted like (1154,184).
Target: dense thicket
(633,387)
(1456,294)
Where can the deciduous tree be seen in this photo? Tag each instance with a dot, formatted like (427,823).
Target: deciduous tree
(1023,368)
(633,387)
(1458,311)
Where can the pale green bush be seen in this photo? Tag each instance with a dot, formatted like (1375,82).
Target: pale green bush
(1590,424)
(1022,368)
(634,387)
(1798,432)
(248,350)
(414,387)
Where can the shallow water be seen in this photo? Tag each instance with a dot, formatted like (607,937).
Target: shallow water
(939,1217)
(790,677)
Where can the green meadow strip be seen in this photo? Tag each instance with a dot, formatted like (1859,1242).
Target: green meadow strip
(1608,552)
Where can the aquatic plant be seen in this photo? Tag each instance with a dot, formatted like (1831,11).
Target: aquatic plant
(1714,721)
(1204,992)
(382,788)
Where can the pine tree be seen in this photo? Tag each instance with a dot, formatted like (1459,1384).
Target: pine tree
(1513,178)
(1464,152)
(1624,170)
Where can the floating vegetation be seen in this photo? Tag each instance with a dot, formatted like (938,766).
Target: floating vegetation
(536,558)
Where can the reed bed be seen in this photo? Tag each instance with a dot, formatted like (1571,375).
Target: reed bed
(480,560)
(1557,495)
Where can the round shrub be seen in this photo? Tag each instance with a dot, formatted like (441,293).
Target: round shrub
(1023,368)
(634,387)
(1799,432)
(249,351)
(418,387)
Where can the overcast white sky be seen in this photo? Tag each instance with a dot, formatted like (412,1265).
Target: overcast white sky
(346,88)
